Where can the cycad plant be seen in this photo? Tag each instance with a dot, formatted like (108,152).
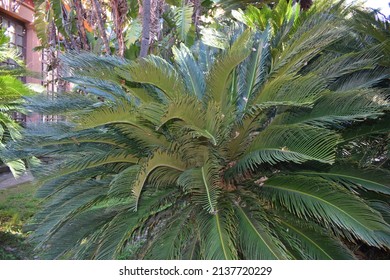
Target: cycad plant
(238,155)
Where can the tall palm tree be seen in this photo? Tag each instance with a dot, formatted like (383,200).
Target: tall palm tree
(238,155)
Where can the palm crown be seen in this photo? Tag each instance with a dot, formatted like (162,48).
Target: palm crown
(228,156)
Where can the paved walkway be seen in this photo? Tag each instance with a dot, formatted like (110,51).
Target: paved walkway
(7,180)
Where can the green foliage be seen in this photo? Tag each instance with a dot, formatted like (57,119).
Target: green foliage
(183,20)
(11,92)
(228,153)
(17,205)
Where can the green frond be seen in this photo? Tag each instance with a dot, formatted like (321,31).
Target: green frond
(328,204)
(376,180)
(120,186)
(222,152)
(81,226)
(169,244)
(336,109)
(309,40)
(333,65)
(41,23)
(142,94)
(190,71)
(84,160)
(309,241)
(376,127)
(256,239)
(202,184)
(145,138)
(188,109)
(382,207)
(12,88)
(133,32)
(218,235)
(53,185)
(99,157)
(99,87)
(291,91)
(155,71)
(17,167)
(122,227)
(63,206)
(9,127)
(294,143)
(123,113)
(64,104)
(361,79)
(183,19)
(93,66)
(159,159)
(214,38)
(253,70)
(217,79)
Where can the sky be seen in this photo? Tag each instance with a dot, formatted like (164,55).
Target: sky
(383,5)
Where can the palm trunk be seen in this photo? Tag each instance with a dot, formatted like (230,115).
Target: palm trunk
(80,24)
(119,10)
(98,12)
(306,4)
(196,16)
(145,28)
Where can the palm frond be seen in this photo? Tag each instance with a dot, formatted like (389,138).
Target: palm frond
(90,65)
(256,239)
(190,71)
(122,227)
(168,244)
(99,87)
(218,233)
(309,241)
(291,91)
(336,109)
(108,114)
(296,143)
(312,37)
(375,180)
(155,71)
(328,204)
(202,184)
(253,70)
(159,159)
(217,80)
(183,19)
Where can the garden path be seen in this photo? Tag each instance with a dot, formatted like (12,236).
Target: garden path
(7,180)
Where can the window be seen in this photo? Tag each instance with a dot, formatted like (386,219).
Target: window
(16,31)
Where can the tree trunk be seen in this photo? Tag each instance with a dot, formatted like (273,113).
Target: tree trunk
(145,28)
(306,4)
(80,24)
(196,15)
(98,12)
(119,10)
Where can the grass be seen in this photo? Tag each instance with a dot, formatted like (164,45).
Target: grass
(17,205)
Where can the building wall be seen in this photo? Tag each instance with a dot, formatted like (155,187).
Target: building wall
(23,11)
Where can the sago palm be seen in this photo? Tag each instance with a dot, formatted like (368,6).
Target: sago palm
(231,156)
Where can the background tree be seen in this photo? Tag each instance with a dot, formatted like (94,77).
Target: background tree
(146,9)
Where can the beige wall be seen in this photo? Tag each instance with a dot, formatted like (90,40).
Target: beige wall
(25,13)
